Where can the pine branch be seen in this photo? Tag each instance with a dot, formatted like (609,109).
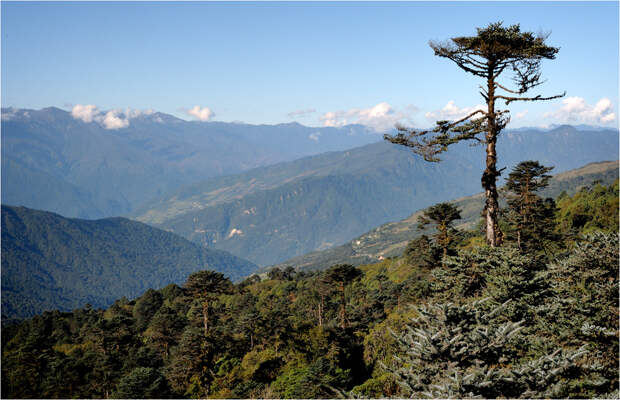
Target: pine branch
(535,98)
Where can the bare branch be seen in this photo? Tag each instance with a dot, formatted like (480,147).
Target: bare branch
(535,98)
(506,89)
(455,123)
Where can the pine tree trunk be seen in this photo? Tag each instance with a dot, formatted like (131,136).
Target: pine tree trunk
(205,316)
(489,177)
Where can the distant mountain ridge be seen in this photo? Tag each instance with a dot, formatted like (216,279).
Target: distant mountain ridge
(98,172)
(391,239)
(52,262)
(262,216)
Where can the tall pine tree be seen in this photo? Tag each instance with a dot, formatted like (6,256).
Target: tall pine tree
(494,50)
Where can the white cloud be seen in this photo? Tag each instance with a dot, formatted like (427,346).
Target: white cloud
(314,136)
(113,119)
(85,112)
(301,113)
(8,113)
(201,113)
(451,112)
(380,117)
(575,109)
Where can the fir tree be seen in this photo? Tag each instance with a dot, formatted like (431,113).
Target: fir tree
(453,351)
(441,215)
(531,218)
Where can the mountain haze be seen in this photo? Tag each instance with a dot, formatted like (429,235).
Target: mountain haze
(52,262)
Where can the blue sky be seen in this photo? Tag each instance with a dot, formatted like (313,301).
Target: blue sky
(319,63)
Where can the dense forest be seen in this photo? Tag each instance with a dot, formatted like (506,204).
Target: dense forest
(51,262)
(451,317)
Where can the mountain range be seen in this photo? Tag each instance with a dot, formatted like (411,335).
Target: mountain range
(270,214)
(51,262)
(233,186)
(54,161)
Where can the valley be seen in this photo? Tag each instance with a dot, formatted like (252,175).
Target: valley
(275,213)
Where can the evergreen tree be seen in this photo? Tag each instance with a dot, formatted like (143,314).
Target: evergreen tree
(206,285)
(142,383)
(341,275)
(487,55)
(442,215)
(165,329)
(146,306)
(531,218)
(420,252)
(465,352)
(584,310)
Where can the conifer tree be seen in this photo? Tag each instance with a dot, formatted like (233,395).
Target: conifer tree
(453,351)
(531,217)
(442,215)
(342,274)
(206,285)
(494,50)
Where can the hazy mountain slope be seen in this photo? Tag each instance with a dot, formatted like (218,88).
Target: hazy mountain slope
(120,169)
(27,185)
(260,214)
(378,159)
(52,262)
(391,239)
(363,188)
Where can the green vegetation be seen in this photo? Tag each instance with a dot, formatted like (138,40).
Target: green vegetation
(490,322)
(592,208)
(50,262)
(457,315)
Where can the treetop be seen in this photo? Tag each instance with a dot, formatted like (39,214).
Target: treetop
(496,42)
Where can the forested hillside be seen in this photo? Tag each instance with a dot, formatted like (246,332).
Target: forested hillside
(485,322)
(51,262)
